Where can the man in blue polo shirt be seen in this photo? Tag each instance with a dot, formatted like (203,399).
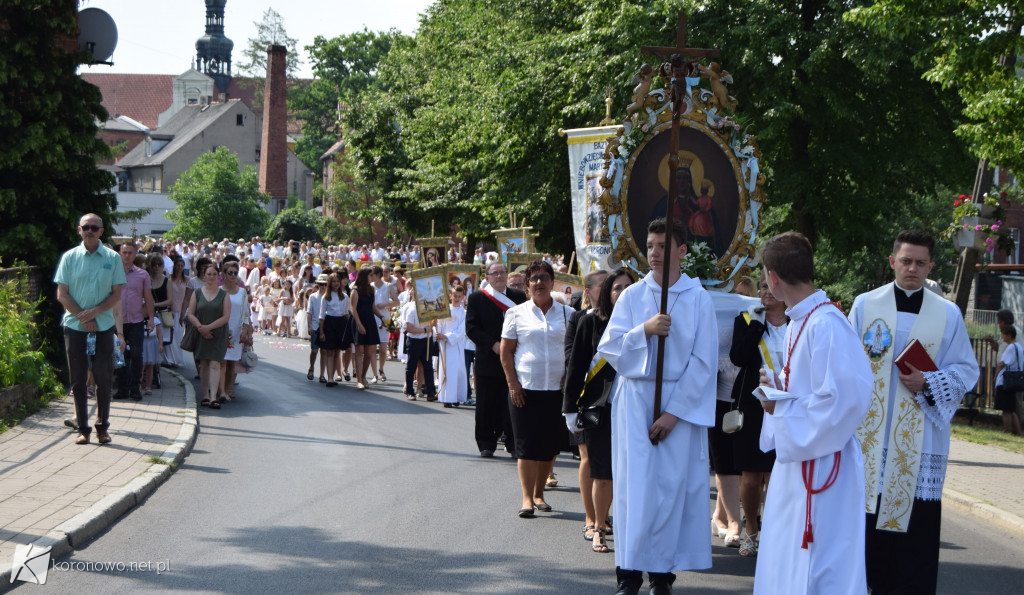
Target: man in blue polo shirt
(89,279)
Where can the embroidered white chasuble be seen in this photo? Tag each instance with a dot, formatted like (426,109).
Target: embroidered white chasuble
(902,426)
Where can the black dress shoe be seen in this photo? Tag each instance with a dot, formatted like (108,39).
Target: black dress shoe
(661,582)
(487,454)
(628,581)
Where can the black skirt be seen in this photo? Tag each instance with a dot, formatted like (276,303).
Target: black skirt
(337,333)
(599,445)
(538,425)
(1006,399)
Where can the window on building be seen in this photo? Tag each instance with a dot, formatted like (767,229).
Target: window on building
(1014,256)
(239,120)
(258,154)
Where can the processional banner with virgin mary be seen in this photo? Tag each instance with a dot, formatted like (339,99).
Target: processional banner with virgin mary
(718,179)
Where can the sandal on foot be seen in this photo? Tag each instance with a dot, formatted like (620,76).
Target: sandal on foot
(309,374)
(526,513)
(383,378)
(552,481)
(545,507)
(214,404)
(588,532)
(205,402)
(747,547)
(732,540)
(599,544)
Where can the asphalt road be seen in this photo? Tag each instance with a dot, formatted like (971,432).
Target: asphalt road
(295,487)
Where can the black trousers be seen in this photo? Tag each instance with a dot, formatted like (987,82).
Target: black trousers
(102,371)
(129,376)
(419,352)
(905,563)
(492,414)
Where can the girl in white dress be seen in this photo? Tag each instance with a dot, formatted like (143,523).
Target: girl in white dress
(301,316)
(267,310)
(285,310)
(453,387)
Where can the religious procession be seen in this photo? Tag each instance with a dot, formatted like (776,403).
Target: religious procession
(678,353)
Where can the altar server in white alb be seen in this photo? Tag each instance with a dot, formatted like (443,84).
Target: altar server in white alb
(453,387)
(812,537)
(661,491)
(909,417)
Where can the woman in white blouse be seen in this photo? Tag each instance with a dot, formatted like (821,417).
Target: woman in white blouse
(335,334)
(532,355)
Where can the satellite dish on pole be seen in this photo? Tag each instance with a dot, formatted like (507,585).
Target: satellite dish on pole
(98,35)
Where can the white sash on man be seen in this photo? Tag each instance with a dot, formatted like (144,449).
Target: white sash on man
(906,431)
(500,299)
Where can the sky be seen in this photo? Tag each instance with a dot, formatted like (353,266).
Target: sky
(159,36)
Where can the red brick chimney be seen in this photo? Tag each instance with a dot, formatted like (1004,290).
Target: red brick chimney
(274,146)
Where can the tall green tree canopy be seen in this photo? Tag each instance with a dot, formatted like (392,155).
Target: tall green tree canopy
(216,199)
(855,139)
(972,48)
(48,115)
(345,69)
(269,31)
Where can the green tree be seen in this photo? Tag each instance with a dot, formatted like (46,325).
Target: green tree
(850,131)
(331,229)
(252,69)
(295,223)
(48,115)
(346,69)
(972,48)
(215,199)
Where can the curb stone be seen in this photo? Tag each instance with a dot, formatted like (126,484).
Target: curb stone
(77,531)
(975,507)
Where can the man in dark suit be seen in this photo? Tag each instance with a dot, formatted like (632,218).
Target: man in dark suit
(485,314)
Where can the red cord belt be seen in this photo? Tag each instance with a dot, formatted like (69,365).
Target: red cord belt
(807,470)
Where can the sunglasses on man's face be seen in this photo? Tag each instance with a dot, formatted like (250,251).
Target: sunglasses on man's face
(90,227)
(231,273)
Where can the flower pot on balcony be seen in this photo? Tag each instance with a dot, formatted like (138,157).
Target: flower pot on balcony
(986,211)
(969,237)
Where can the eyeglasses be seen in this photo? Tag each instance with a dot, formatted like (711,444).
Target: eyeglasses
(540,278)
(497,274)
(231,273)
(90,227)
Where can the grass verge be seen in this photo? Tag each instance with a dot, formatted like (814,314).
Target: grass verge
(988,436)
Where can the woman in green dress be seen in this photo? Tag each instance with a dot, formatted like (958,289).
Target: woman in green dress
(208,311)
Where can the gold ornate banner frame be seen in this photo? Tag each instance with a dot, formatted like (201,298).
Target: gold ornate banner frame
(719,174)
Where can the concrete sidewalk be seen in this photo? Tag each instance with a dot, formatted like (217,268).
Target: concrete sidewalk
(986,482)
(57,493)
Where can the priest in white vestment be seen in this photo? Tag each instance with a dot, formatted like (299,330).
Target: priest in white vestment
(909,418)
(812,541)
(661,491)
(453,385)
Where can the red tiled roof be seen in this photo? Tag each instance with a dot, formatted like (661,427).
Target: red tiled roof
(142,97)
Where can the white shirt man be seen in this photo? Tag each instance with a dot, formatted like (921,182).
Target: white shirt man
(661,490)
(909,418)
(257,249)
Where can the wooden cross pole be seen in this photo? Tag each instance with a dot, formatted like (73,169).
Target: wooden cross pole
(679,69)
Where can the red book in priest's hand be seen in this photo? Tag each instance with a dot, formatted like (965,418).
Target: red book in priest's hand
(915,355)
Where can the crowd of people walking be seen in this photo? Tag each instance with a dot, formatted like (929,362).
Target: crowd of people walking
(785,392)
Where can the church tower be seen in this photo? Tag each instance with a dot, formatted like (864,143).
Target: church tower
(213,50)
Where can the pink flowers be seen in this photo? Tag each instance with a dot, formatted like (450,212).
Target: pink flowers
(977,228)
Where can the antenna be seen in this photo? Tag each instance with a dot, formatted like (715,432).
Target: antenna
(98,35)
